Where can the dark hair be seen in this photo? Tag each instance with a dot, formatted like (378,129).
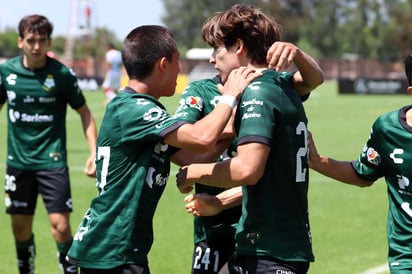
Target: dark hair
(143,46)
(408,68)
(257,31)
(35,24)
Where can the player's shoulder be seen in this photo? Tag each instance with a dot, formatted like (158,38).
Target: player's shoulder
(200,87)
(279,78)
(269,81)
(388,116)
(208,82)
(57,67)
(13,63)
(131,98)
(389,119)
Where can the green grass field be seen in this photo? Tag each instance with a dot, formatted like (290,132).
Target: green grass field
(348,223)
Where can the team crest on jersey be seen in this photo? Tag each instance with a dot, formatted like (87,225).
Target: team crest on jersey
(373,156)
(48,83)
(194,102)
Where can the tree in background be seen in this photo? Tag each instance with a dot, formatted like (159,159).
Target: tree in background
(186,17)
(8,43)
(358,27)
(400,29)
(379,29)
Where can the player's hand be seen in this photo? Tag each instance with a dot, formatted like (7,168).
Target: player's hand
(202,204)
(281,55)
(90,168)
(183,184)
(238,80)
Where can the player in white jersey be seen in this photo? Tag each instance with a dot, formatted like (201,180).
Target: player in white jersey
(111,83)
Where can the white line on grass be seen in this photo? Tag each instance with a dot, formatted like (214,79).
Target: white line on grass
(377,270)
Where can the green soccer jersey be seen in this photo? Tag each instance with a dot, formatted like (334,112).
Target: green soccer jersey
(132,170)
(274,219)
(36,112)
(388,153)
(199,99)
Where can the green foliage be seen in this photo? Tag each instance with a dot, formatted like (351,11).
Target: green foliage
(58,44)
(8,44)
(288,15)
(84,46)
(367,28)
(186,17)
(358,27)
(400,27)
(348,223)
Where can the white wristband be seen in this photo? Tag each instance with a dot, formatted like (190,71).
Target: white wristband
(228,100)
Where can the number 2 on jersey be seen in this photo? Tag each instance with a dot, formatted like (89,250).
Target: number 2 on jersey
(302,153)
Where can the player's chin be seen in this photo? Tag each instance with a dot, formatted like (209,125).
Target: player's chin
(170,93)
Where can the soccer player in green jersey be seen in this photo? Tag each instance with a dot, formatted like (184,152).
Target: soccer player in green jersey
(216,209)
(137,137)
(37,90)
(387,153)
(273,234)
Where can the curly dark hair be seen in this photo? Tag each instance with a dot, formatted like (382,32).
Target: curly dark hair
(257,31)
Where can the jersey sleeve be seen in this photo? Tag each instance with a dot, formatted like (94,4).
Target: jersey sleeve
(151,122)
(74,94)
(191,104)
(368,165)
(255,114)
(289,76)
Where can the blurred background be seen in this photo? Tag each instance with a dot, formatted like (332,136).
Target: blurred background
(360,43)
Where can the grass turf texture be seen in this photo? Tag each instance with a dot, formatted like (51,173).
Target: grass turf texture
(348,223)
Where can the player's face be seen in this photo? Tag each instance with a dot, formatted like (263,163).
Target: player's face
(34,46)
(225,60)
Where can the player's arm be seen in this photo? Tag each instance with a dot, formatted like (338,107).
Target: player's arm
(342,171)
(185,157)
(244,169)
(203,135)
(203,204)
(90,131)
(309,75)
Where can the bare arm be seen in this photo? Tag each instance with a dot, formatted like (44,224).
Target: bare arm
(185,157)
(203,204)
(244,169)
(90,131)
(339,170)
(309,74)
(203,135)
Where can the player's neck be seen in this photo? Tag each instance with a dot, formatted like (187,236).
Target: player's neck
(34,64)
(409,117)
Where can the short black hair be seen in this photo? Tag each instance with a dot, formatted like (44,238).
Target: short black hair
(143,46)
(408,68)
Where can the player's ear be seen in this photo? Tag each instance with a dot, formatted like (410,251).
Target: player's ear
(20,42)
(162,63)
(409,89)
(239,45)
